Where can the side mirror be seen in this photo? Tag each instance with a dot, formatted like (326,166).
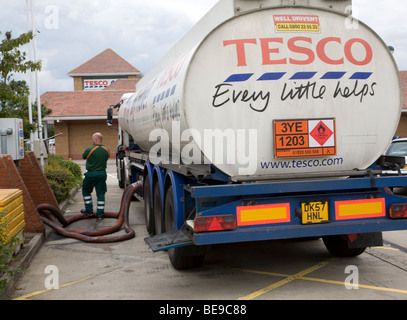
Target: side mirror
(110,117)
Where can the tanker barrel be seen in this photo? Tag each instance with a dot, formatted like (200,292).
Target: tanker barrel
(270,91)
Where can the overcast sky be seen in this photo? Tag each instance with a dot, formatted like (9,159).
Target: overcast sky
(74,31)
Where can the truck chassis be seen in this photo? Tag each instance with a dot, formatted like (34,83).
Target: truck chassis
(189,208)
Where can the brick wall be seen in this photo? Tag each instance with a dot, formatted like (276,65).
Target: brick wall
(402,129)
(62,141)
(78,83)
(10,178)
(35,181)
(77,136)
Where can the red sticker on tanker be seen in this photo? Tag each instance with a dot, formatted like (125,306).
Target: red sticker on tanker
(321,133)
(304,138)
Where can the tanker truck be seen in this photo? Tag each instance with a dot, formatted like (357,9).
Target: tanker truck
(266,121)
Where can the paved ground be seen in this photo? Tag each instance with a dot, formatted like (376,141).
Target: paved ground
(250,271)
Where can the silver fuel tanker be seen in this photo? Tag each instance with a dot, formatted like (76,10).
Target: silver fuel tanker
(270,90)
(266,121)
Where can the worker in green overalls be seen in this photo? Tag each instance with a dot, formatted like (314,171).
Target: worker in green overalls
(96,162)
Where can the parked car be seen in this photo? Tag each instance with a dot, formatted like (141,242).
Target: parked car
(398,148)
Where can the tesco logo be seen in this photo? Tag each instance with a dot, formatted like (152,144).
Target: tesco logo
(97,83)
(311,50)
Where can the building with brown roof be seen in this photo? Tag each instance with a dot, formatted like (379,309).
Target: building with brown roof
(98,84)
(102,70)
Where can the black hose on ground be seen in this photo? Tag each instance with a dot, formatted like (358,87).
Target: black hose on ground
(52,217)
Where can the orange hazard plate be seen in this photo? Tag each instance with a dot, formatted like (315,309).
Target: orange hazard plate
(263,214)
(304,138)
(360,209)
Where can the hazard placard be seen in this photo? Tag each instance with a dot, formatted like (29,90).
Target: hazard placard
(304,138)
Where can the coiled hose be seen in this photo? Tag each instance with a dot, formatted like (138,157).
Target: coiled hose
(52,217)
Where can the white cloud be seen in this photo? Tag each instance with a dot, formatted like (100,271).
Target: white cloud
(139,31)
(387,19)
(143,31)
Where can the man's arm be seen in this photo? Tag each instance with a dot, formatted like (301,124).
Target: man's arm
(86,153)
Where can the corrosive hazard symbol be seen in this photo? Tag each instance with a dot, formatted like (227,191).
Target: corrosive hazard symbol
(304,138)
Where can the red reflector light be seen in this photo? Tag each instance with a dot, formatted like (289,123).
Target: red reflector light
(214,223)
(398,211)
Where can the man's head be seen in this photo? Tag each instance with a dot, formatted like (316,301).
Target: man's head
(97,138)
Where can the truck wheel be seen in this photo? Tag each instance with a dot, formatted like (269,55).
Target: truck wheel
(338,247)
(157,210)
(120,172)
(127,178)
(181,258)
(148,212)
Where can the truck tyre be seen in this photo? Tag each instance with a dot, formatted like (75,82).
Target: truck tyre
(338,246)
(120,172)
(181,258)
(148,212)
(157,210)
(127,178)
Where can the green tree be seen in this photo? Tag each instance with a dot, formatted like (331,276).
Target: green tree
(12,59)
(14,94)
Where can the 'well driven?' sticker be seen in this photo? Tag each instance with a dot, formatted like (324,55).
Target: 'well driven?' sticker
(297,23)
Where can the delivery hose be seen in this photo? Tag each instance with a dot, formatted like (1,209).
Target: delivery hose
(52,217)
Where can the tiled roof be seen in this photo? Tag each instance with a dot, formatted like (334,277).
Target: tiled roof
(106,63)
(80,104)
(128,85)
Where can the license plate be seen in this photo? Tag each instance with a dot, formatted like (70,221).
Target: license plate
(314,212)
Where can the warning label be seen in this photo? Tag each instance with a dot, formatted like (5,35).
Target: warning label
(321,133)
(302,23)
(304,138)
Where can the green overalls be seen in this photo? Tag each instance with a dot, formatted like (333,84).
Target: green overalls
(95,177)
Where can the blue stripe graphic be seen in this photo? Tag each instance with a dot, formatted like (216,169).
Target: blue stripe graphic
(361,76)
(239,77)
(303,75)
(272,76)
(333,75)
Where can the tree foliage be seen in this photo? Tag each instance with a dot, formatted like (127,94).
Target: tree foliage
(14,93)
(12,59)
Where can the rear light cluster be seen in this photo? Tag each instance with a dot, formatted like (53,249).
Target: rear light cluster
(214,223)
(398,211)
(228,222)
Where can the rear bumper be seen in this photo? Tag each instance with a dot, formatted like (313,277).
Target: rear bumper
(342,195)
(245,234)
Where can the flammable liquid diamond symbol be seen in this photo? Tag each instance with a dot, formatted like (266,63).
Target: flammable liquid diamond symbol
(321,133)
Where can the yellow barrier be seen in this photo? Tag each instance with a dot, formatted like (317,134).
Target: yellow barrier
(11,205)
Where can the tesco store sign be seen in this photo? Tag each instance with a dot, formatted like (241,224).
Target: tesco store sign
(97,84)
